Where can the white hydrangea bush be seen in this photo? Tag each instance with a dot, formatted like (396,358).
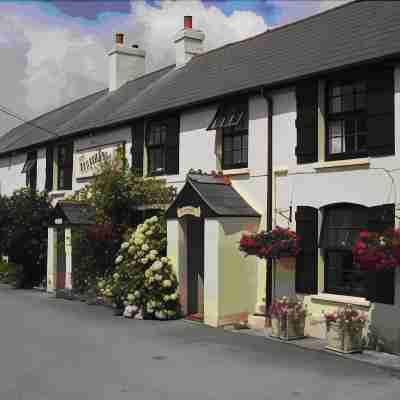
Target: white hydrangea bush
(144,282)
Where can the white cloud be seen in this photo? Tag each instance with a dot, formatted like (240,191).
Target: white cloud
(64,59)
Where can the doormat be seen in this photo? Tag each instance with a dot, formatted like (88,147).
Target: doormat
(195,317)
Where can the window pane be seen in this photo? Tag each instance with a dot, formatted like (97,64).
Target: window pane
(360,101)
(335,145)
(244,141)
(237,142)
(350,144)
(348,102)
(237,156)
(361,125)
(360,86)
(350,126)
(245,155)
(335,90)
(227,158)
(227,143)
(362,142)
(335,105)
(347,90)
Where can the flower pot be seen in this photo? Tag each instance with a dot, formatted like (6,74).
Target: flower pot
(275,327)
(292,328)
(344,339)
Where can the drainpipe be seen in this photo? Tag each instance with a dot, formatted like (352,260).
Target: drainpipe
(268,275)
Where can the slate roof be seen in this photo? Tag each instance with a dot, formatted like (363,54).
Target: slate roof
(73,213)
(352,34)
(217,194)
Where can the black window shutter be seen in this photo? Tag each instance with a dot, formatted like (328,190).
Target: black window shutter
(307,259)
(69,165)
(172,147)
(380,109)
(381,284)
(49,168)
(307,122)
(137,147)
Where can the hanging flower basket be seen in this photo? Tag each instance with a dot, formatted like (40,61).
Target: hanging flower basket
(288,317)
(275,244)
(344,329)
(374,251)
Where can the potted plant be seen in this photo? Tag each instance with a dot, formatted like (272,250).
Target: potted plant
(344,328)
(275,244)
(287,318)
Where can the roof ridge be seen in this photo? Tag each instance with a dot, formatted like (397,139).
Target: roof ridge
(277,28)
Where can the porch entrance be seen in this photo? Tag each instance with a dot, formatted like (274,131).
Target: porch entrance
(61,258)
(195,267)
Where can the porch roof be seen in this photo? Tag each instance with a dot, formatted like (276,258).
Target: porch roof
(214,195)
(72,213)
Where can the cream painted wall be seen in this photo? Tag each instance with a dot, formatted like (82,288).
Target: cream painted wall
(237,281)
(211,274)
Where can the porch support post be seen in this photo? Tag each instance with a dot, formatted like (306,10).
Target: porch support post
(51,259)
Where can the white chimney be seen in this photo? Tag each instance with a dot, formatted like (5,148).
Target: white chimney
(188,42)
(125,63)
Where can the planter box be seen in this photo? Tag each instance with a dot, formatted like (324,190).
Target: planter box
(344,340)
(287,328)
(291,329)
(275,327)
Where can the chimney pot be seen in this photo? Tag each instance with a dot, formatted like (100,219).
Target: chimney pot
(119,38)
(187,22)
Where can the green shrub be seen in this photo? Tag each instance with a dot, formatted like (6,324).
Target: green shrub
(11,274)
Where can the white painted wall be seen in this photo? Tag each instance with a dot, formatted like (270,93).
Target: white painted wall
(11,177)
(117,135)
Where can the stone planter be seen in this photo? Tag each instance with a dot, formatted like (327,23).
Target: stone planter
(291,328)
(343,339)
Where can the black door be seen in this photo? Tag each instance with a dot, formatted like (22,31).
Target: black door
(195,266)
(61,258)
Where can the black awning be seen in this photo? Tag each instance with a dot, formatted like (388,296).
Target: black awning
(208,196)
(29,163)
(230,116)
(72,213)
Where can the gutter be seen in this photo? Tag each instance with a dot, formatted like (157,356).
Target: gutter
(269,277)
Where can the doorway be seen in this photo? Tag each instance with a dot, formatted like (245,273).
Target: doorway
(61,258)
(195,267)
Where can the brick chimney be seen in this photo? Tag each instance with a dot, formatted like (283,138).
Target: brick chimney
(125,63)
(188,42)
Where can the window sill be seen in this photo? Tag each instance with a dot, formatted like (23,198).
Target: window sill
(59,193)
(341,299)
(238,171)
(341,163)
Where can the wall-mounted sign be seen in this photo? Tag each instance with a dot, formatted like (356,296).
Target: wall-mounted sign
(87,162)
(189,210)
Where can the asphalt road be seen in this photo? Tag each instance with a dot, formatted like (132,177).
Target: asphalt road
(54,349)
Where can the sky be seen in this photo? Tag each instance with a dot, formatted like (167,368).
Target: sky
(53,52)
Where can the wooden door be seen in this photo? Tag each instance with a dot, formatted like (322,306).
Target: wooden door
(195,266)
(61,258)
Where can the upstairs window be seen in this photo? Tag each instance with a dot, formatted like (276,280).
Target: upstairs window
(346,120)
(30,170)
(233,121)
(65,161)
(156,142)
(162,143)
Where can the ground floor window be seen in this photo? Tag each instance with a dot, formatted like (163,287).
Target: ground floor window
(340,228)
